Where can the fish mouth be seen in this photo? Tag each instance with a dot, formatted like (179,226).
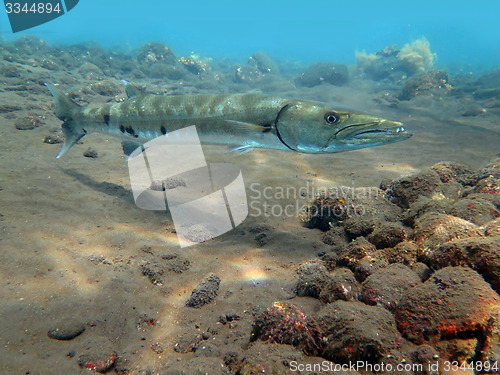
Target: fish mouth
(384,130)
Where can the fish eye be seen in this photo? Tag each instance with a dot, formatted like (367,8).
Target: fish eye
(331,118)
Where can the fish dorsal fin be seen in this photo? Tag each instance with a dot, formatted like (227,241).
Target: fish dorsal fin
(247,127)
(132,90)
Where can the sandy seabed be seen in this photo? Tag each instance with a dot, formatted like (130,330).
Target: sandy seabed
(77,252)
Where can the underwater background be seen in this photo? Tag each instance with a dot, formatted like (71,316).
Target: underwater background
(387,257)
(459,32)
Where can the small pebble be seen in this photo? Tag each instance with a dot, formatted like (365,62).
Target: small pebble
(66,329)
(90,153)
(205,292)
(28,123)
(97,355)
(52,139)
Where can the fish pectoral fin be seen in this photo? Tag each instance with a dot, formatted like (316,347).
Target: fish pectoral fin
(132,90)
(248,127)
(240,150)
(131,149)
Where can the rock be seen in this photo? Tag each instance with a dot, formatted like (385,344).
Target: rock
(248,74)
(396,63)
(473,110)
(455,172)
(355,251)
(9,71)
(164,70)
(52,139)
(324,72)
(388,51)
(155,52)
(358,227)
(340,205)
(205,292)
(484,94)
(129,66)
(31,44)
(489,80)
(188,342)
(207,350)
(6,108)
(335,237)
(492,228)
(284,323)
(454,301)
(387,235)
(90,70)
(198,233)
(156,268)
(424,205)
(458,349)
(261,239)
(476,210)
(387,286)
(425,355)
(263,63)
(196,64)
(354,331)
(422,270)
(97,354)
(492,169)
(371,264)
(481,254)
(232,316)
(313,276)
(435,83)
(91,153)
(106,88)
(488,185)
(330,260)
(28,123)
(66,329)
(176,263)
(341,285)
(407,190)
(167,184)
(433,230)
(404,252)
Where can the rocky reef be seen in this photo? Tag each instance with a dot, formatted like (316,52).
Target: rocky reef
(412,58)
(423,255)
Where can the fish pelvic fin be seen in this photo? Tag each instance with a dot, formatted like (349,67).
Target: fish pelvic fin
(72,135)
(240,150)
(65,110)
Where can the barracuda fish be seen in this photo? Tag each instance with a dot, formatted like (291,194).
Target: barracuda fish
(245,121)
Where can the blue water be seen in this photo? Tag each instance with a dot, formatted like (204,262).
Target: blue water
(458,31)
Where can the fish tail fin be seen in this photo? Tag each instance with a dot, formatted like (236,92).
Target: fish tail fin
(65,110)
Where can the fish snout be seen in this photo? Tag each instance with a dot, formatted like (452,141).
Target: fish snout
(380,129)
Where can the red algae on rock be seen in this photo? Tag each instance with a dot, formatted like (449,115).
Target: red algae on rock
(284,323)
(455,301)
